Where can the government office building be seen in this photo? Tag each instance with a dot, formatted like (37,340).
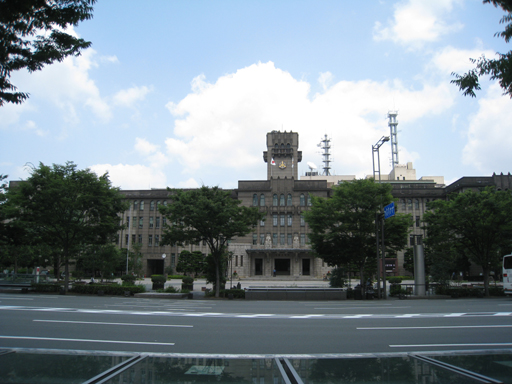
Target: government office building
(279,244)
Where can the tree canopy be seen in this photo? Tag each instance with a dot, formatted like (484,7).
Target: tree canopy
(191,262)
(343,226)
(66,208)
(499,69)
(32,34)
(210,215)
(477,224)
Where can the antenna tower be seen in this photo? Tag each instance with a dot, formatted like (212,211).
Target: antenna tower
(392,133)
(325,144)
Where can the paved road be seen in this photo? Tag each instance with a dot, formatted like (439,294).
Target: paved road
(252,327)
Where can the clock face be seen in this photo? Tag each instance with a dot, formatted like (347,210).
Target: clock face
(282,165)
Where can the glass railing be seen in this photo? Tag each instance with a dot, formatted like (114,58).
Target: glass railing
(47,366)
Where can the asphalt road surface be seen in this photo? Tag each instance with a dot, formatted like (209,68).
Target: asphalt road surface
(253,327)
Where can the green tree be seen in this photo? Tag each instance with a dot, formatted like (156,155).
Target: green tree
(210,215)
(499,69)
(476,224)
(103,260)
(32,34)
(343,226)
(191,262)
(135,260)
(67,208)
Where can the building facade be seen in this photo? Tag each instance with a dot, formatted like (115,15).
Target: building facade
(278,244)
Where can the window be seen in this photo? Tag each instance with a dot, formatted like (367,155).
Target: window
(126,238)
(302,239)
(173,259)
(274,200)
(255,200)
(157,223)
(409,204)
(417,221)
(164,221)
(141,206)
(134,219)
(133,239)
(254,239)
(302,221)
(152,205)
(135,205)
(289,200)
(140,239)
(141,222)
(151,222)
(236,260)
(150,240)
(309,200)
(281,200)
(302,200)
(411,240)
(128,221)
(241,260)
(158,204)
(290,220)
(274,220)
(262,239)
(282,238)
(262,222)
(262,200)
(290,241)
(402,205)
(165,203)
(274,238)
(281,220)
(416,204)
(157,240)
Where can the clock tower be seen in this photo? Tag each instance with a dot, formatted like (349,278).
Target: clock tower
(282,155)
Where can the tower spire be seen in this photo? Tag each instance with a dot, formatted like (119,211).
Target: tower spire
(393,123)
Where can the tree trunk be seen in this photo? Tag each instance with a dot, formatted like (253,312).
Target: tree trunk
(217,278)
(486,281)
(361,282)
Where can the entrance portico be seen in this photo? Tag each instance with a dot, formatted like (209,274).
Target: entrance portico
(285,262)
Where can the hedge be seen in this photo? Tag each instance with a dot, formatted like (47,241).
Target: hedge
(113,289)
(468,292)
(237,293)
(46,287)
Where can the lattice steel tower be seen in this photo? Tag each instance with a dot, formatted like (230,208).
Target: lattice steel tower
(325,144)
(392,134)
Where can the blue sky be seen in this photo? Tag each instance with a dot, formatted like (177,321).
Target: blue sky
(182,93)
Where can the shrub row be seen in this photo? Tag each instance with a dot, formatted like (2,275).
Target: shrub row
(468,292)
(108,289)
(237,293)
(46,287)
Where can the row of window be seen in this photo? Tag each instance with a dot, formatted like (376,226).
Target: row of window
(139,205)
(154,222)
(407,204)
(235,260)
(280,200)
(282,219)
(278,239)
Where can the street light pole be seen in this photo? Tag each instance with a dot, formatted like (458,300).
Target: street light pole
(375,150)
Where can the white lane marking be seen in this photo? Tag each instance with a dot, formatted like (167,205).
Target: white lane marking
(256,315)
(439,327)
(503,314)
(363,307)
(452,345)
(83,340)
(306,316)
(356,316)
(454,314)
(106,323)
(16,298)
(407,315)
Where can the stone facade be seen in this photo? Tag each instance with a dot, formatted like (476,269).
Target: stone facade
(279,244)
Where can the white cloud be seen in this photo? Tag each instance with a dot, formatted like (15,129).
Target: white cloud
(451,59)
(151,152)
(68,86)
(325,79)
(489,138)
(132,176)
(221,127)
(128,97)
(417,21)
(32,126)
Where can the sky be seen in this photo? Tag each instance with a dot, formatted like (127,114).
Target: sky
(182,94)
